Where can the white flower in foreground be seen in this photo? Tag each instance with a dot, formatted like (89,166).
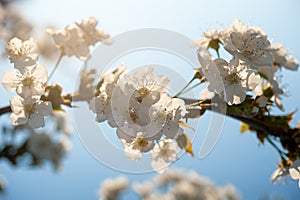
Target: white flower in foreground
(145,87)
(136,146)
(70,42)
(210,39)
(166,113)
(250,45)
(28,84)
(204,56)
(269,74)
(282,59)
(294,171)
(279,174)
(22,53)
(101,104)
(29,111)
(232,79)
(90,33)
(111,188)
(163,153)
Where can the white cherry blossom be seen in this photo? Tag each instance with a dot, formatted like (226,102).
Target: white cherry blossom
(29,111)
(135,146)
(90,33)
(22,53)
(70,42)
(166,113)
(30,82)
(209,39)
(294,171)
(101,104)
(231,79)
(145,87)
(282,59)
(252,47)
(163,153)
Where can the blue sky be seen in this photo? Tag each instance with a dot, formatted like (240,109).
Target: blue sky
(236,159)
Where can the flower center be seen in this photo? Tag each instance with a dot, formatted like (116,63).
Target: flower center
(27,81)
(143,91)
(29,109)
(133,115)
(140,143)
(232,78)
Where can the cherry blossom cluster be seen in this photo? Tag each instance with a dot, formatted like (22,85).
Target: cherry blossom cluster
(75,39)
(252,67)
(174,184)
(146,118)
(28,80)
(250,72)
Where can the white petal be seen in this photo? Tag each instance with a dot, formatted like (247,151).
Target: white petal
(253,80)
(11,79)
(294,173)
(18,119)
(36,120)
(234,94)
(16,104)
(44,108)
(159,166)
(40,73)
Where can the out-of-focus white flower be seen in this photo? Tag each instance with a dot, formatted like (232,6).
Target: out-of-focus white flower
(178,185)
(42,147)
(29,111)
(229,192)
(145,87)
(163,153)
(282,59)
(70,42)
(75,40)
(45,46)
(232,79)
(90,33)
(29,83)
(13,24)
(294,171)
(62,122)
(22,53)
(112,188)
(144,189)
